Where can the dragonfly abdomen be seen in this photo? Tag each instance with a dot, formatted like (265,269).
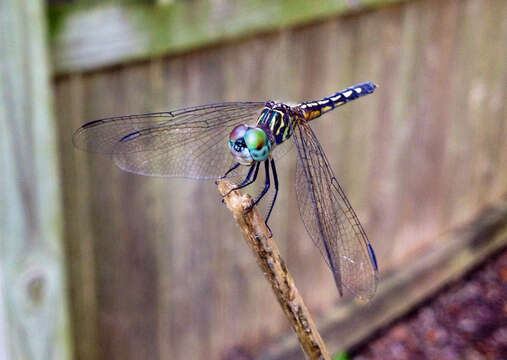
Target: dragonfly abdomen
(314,109)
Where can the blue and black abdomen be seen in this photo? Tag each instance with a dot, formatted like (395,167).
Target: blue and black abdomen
(314,109)
(278,117)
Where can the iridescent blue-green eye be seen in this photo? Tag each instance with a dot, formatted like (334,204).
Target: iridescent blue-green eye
(255,139)
(258,143)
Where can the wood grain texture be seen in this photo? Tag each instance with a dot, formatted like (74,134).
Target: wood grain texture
(118,33)
(152,273)
(80,252)
(34,306)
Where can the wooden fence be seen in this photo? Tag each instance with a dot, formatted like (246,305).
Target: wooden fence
(156,267)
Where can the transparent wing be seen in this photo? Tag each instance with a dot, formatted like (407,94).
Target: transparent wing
(190,142)
(330,220)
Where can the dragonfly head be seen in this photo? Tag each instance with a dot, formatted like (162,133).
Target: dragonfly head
(249,144)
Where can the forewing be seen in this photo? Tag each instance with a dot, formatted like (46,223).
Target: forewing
(330,220)
(190,142)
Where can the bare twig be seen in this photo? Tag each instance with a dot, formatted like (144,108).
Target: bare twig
(268,257)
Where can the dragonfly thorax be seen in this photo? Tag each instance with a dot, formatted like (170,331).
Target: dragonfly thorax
(277,118)
(249,144)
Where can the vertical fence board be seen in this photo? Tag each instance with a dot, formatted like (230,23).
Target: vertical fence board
(31,255)
(80,252)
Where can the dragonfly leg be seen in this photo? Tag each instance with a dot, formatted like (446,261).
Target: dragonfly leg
(275,178)
(234,167)
(265,190)
(247,180)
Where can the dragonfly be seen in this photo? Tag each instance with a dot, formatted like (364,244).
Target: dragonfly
(219,141)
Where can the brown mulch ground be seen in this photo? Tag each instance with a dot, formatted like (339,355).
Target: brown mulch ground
(467,320)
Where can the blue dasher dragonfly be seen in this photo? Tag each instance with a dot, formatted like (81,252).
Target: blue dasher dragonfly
(215,141)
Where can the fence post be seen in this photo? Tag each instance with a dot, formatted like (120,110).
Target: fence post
(33,309)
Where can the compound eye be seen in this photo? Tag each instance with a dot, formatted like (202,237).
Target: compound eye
(238,132)
(258,144)
(237,145)
(255,139)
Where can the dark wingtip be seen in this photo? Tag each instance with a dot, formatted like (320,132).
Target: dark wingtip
(76,141)
(91,123)
(373,258)
(130,136)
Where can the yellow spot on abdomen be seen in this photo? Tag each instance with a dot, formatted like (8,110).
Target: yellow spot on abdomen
(314,114)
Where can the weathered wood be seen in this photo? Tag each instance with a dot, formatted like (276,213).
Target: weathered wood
(268,257)
(80,252)
(104,35)
(34,305)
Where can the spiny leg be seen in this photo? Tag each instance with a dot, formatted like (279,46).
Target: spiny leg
(266,187)
(275,178)
(234,167)
(247,180)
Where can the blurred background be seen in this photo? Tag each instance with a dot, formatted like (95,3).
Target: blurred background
(96,263)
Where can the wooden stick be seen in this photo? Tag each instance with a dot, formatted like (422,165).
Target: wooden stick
(272,265)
